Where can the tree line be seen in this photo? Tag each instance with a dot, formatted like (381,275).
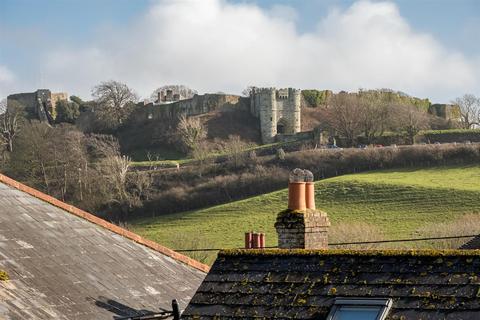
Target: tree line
(374,113)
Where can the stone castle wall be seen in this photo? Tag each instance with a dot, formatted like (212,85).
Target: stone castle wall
(40,104)
(27,100)
(199,104)
(445,111)
(277,110)
(58,96)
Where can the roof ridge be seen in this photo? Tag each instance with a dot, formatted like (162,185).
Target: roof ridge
(103,223)
(472,244)
(437,253)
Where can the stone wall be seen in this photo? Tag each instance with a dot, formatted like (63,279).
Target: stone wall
(27,100)
(40,104)
(445,111)
(58,96)
(37,104)
(199,104)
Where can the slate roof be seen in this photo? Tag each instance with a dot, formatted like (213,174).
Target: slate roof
(472,244)
(302,284)
(64,263)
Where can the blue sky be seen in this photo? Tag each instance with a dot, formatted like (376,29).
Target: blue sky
(70,45)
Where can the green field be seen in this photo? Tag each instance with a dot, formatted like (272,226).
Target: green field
(398,203)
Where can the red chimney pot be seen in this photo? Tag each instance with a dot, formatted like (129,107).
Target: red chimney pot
(296,196)
(310,195)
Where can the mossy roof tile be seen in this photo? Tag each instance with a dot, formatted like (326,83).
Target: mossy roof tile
(302,284)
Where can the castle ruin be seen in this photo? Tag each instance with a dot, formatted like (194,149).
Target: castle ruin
(277,110)
(40,104)
(167,96)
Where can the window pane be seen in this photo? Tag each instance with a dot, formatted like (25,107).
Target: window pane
(356,313)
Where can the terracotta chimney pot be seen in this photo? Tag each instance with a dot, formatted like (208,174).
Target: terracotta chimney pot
(296,196)
(262,240)
(248,240)
(255,241)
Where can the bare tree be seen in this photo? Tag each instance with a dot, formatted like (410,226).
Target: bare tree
(10,122)
(374,115)
(111,182)
(344,114)
(87,170)
(3,106)
(410,119)
(115,102)
(248,91)
(49,158)
(469,110)
(234,149)
(202,154)
(190,132)
(109,162)
(139,184)
(116,167)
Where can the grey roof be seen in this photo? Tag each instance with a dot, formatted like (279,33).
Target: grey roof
(64,267)
(303,284)
(472,244)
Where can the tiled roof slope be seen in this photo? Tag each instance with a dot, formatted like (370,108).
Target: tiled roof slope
(300,284)
(472,244)
(62,266)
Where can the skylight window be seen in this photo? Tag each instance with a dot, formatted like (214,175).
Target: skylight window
(360,309)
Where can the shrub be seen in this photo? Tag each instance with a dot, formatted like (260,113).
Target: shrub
(326,163)
(446,136)
(67,111)
(186,191)
(315,98)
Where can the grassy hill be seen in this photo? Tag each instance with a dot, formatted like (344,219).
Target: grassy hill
(384,204)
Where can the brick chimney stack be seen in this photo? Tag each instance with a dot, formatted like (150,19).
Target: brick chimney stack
(301,226)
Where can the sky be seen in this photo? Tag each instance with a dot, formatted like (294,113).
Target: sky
(426,48)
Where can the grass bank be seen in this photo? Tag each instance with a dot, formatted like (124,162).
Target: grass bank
(398,203)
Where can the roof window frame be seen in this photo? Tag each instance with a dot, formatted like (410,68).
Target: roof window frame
(385,305)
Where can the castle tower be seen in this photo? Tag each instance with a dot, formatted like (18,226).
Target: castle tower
(268,114)
(278,112)
(295,98)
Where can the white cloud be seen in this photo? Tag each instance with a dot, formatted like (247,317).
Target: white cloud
(6,75)
(6,80)
(214,45)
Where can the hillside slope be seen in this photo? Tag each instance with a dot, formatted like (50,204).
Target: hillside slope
(158,137)
(398,202)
